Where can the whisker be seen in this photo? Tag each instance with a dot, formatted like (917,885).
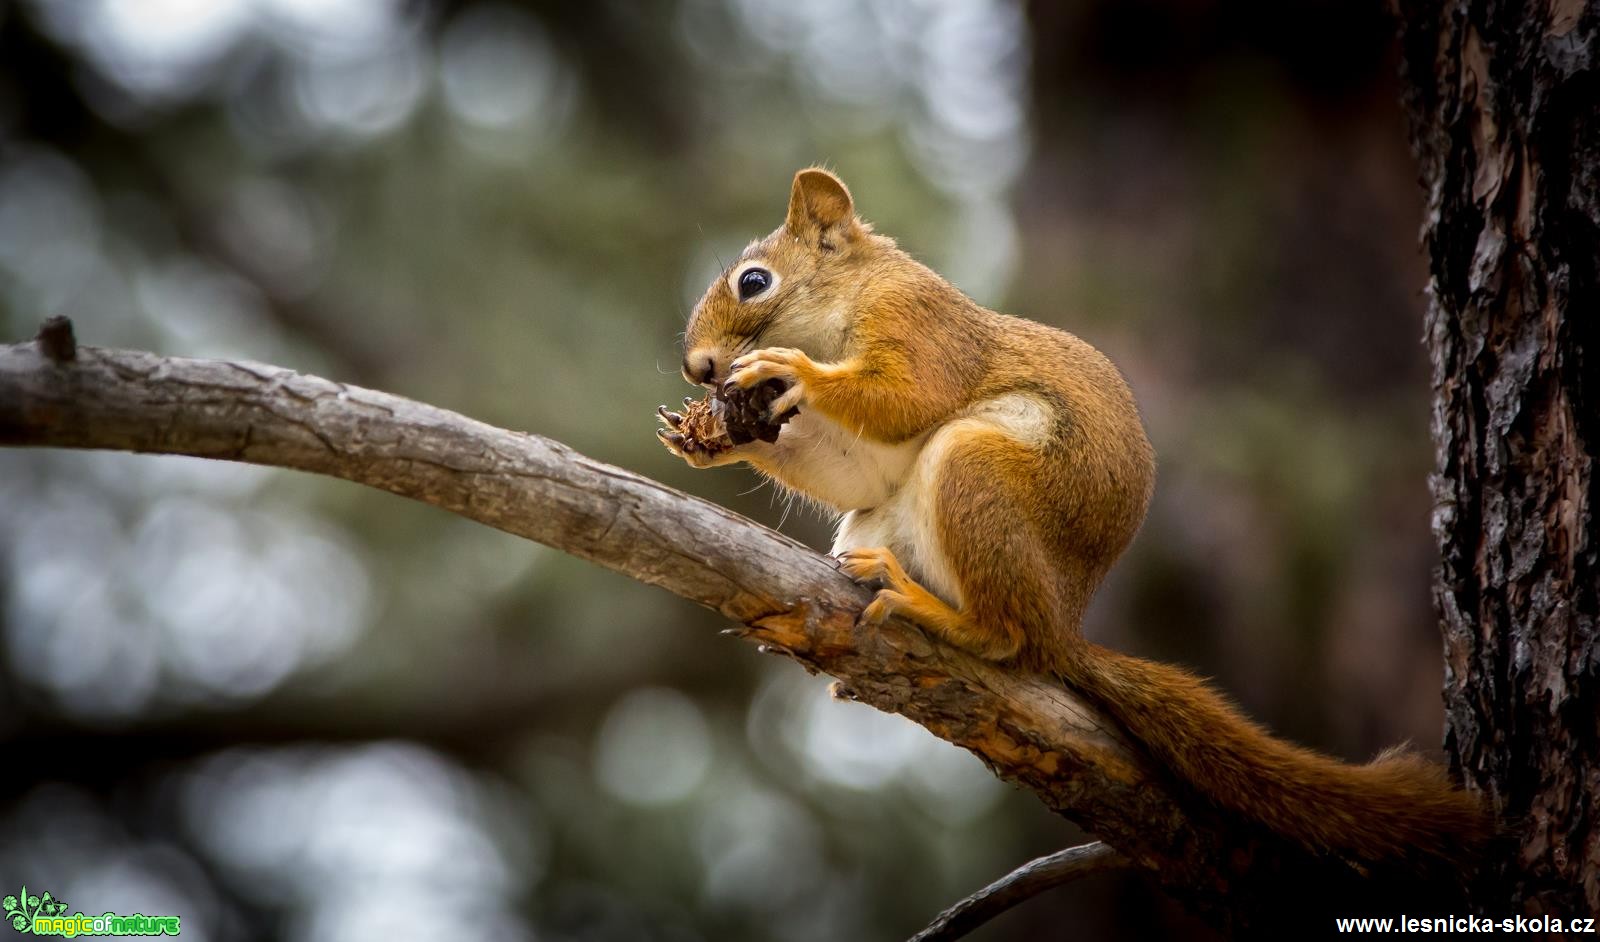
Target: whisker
(859,433)
(720,267)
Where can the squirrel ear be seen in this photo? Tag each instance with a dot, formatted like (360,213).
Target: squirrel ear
(819,202)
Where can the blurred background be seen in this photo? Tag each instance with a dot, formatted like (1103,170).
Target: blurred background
(284,707)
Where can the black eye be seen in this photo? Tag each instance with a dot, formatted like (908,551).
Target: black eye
(753,282)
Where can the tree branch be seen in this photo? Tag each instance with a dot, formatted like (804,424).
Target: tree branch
(1019,886)
(1029,730)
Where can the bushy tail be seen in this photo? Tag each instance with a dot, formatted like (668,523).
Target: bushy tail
(1398,807)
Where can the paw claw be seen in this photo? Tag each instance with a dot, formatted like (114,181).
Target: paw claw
(673,419)
(782,363)
(879,609)
(867,566)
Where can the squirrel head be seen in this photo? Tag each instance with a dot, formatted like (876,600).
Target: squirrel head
(794,288)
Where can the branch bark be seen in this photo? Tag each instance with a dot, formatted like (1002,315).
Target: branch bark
(1019,886)
(1029,730)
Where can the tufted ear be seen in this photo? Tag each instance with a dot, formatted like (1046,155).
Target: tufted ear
(819,205)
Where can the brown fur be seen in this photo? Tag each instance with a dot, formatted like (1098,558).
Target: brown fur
(1027,526)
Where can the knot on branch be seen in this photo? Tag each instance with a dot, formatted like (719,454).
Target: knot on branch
(56,339)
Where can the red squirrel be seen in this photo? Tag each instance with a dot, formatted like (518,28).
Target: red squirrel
(989,470)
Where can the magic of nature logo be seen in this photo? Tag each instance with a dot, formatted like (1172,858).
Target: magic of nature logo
(43,914)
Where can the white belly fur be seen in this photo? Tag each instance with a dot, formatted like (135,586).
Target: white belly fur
(887,491)
(837,467)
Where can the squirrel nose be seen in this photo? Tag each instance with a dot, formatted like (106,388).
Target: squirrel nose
(699,367)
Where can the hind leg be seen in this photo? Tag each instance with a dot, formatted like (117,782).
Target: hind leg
(900,594)
(980,534)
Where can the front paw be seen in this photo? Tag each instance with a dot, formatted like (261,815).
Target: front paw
(695,436)
(785,364)
(693,456)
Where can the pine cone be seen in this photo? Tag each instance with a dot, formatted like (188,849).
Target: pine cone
(724,420)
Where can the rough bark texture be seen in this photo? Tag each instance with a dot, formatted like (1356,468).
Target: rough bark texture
(1505,108)
(1029,731)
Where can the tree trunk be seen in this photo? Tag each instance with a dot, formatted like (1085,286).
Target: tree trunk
(1504,101)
